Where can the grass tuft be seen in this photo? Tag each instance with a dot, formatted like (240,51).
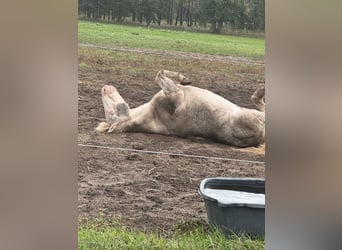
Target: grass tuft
(101,234)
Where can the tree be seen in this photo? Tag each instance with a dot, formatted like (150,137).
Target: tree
(179,16)
(148,10)
(218,12)
(120,9)
(190,7)
(162,10)
(256,15)
(170,12)
(235,14)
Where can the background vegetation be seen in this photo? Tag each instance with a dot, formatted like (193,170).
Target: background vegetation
(215,15)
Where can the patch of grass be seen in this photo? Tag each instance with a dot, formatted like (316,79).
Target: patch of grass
(163,39)
(83,138)
(83,66)
(135,64)
(102,235)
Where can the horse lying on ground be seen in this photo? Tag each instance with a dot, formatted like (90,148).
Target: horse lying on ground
(183,110)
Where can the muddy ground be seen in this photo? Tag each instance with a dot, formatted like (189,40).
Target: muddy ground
(155,192)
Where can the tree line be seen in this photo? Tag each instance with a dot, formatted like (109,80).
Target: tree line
(234,14)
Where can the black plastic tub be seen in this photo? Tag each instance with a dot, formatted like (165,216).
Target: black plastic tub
(235,205)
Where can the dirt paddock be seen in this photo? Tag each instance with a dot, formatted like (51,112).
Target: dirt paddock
(147,191)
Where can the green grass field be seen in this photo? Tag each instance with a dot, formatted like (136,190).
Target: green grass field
(162,39)
(102,236)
